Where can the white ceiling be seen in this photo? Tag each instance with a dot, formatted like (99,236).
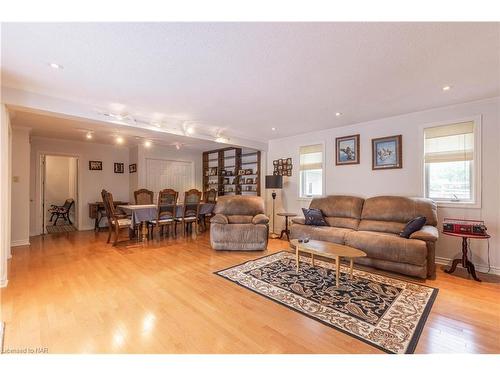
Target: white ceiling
(50,126)
(248,77)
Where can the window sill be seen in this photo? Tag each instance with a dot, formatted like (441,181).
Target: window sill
(449,204)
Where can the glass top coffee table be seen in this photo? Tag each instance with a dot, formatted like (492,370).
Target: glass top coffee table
(328,250)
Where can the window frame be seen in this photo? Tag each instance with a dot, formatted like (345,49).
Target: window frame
(323,173)
(476,173)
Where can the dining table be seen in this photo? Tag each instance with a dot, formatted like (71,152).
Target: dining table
(141,214)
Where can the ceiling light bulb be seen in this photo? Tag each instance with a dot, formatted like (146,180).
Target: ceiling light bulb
(190,130)
(338,114)
(177,146)
(273,129)
(119,140)
(147,143)
(55,66)
(89,135)
(446,88)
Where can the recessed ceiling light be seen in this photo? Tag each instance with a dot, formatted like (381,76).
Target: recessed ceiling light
(190,130)
(273,129)
(89,135)
(147,143)
(338,114)
(222,139)
(446,88)
(119,140)
(56,66)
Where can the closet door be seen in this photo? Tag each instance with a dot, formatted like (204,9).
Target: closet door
(163,174)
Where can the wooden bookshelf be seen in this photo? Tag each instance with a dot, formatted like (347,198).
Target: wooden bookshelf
(221,170)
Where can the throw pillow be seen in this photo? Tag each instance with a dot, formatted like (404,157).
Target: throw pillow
(412,226)
(314,216)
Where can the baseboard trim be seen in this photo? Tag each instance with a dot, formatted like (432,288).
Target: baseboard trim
(479,267)
(25,242)
(3,283)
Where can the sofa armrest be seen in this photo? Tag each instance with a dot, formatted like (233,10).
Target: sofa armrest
(219,219)
(427,233)
(299,220)
(260,219)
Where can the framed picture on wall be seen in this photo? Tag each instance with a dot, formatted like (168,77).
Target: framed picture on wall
(119,168)
(95,165)
(132,168)
(387,152)
(347,150)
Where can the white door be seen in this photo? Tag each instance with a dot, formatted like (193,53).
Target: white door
(169,174)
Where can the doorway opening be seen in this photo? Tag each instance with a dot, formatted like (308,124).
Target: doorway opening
(59,193)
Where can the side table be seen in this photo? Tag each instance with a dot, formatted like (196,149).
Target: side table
(466,263)
(286,230)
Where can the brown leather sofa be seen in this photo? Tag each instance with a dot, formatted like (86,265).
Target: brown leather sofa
(239,223)
(373,225)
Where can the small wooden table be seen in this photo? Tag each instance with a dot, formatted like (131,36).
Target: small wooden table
(286,230)
(466,263)
(327,250)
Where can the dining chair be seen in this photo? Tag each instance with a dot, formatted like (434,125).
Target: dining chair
(116,221)
(143,196)
(210,197)
(166,210)
(190,211)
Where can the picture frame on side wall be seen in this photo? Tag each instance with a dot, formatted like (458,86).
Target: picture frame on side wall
(387,152)
(347,150)
(132,168)
(95,165)
(119,168)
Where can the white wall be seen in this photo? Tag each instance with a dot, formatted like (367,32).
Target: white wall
(90,183)
(5,183)
(361,180)
(20,214)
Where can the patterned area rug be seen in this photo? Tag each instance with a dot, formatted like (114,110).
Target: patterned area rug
(60,228)
(382,311)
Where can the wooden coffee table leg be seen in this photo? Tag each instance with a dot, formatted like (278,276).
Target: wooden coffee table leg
(351,267)
(337,273)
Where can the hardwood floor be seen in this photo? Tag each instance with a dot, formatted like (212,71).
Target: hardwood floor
(73,293)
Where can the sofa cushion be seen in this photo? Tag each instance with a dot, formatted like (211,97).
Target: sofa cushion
(388,246)
(260,219)
(399,209)
(239,219)
(330,234)
(340,210)
(314,216)
(412,226)
(381,226)
(427,233)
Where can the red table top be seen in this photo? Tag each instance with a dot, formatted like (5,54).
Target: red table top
(468,235)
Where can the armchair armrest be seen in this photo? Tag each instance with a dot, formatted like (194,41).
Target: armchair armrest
(219,219)
(427,233)
(260,219)
(299,220)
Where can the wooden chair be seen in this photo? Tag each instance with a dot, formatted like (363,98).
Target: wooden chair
(209,196)
(190,211)
(143,196)
(167,206)
(116,221)
(61,211)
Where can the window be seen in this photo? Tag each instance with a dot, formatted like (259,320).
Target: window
(311,171)
(451,160)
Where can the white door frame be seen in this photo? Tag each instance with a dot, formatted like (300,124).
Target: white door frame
(40,186)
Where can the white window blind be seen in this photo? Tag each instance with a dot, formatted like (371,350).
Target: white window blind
(163,174)
(449,162)
(311,170)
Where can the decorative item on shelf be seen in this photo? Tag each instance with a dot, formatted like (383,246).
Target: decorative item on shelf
(213,171)
(282,167)
(132,168)
(387,152)
(95,165)
(347,150)
(274,182)
(223,172)
(229,173)
(241,172)
(226,181)
(249,181)
(119,168)
(249,171)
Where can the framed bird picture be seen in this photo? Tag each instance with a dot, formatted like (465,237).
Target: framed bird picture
(387,152)
(347,150)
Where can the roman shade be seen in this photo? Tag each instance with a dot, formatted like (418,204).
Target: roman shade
(448,143)
(311,157)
